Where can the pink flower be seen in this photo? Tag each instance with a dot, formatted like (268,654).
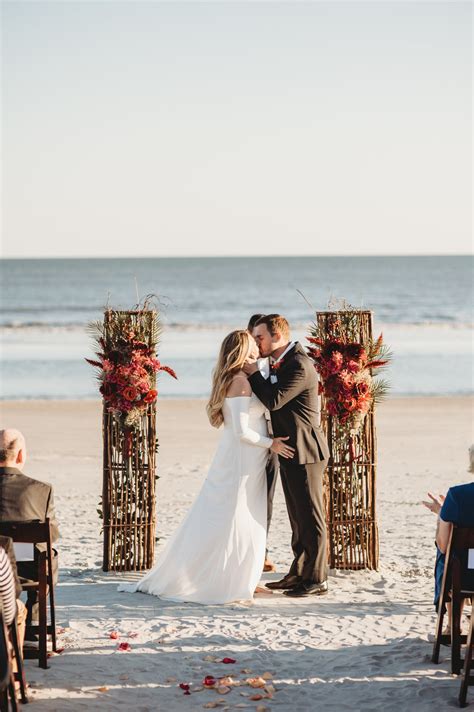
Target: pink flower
(352,366)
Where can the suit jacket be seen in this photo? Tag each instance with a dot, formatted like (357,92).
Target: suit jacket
(23,499)
(293,405)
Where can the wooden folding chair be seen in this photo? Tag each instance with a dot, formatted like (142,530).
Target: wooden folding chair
(455,569)
(7,683)
(38,533)
(467,678)
(18,676)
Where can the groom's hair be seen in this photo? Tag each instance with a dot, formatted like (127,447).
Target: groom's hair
(253,320)
(274,323)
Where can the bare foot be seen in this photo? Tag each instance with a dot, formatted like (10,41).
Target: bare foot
(262,590)
(268,566)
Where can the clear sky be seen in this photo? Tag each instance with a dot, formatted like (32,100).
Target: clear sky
(223,128)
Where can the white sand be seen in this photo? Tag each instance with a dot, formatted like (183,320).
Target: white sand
(365,646)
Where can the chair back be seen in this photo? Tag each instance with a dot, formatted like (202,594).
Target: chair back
(460,557)
(34,532)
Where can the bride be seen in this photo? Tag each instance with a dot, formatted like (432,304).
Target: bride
(216,555)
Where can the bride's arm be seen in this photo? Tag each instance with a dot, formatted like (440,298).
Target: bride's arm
(239,408)
(238,398)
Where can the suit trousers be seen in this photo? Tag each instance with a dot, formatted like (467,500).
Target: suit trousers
(303,490)
(272,474)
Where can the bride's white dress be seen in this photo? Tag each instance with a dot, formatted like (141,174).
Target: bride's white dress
(217,553)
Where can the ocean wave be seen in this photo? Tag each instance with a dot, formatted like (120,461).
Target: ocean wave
(54,326)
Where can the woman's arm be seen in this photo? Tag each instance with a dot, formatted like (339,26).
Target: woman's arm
(443,532)
(7,588)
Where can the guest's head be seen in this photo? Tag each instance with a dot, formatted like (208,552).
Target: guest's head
(253,320)
(12,448)
(272,333)
(235,350)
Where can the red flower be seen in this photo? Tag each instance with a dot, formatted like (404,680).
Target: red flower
(351,404)
(362,388)
(130,393)
(335,362)
(353,366)
(150,396)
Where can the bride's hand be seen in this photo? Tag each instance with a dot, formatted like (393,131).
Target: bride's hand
(280,447)
(250,367)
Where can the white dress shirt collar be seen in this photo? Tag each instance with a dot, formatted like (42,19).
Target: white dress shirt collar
(288,348)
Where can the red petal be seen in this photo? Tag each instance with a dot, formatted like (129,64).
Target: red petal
(124,646)
(184,685)
(228,661)
(114,635)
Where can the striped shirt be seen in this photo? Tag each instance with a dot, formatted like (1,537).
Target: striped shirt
(7,588)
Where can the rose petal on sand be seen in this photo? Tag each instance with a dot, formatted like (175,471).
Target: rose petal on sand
(256,697)
(184,685)
(209,681)
(114,635)
(124,647)
(102,689)
(256,682)
(228,661)
(227,681)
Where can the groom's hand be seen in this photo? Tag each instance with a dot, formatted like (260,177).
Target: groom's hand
(250,367)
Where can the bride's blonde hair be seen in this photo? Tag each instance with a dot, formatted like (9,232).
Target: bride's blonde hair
(234,351)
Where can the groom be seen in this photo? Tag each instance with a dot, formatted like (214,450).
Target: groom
(291,396)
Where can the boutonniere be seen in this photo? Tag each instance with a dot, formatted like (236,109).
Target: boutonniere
(275,366)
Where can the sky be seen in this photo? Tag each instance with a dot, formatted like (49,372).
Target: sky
(236,128)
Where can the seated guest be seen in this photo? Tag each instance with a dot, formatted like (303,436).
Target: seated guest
(7,589)
(24,499)
(456,508)
(9,575)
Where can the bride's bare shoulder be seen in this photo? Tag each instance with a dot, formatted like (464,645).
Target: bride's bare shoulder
(239,386)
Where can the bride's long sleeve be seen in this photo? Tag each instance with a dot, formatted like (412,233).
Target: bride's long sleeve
(239,408)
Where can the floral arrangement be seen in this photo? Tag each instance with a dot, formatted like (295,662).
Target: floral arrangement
(346,368)
(127,364)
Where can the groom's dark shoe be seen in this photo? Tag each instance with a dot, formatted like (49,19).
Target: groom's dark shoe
(308,589)
(287,582)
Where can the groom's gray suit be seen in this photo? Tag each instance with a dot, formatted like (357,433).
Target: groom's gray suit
(293,404)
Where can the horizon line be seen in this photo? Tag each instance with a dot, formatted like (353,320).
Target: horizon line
(243,256)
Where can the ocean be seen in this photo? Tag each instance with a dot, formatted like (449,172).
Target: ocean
(423,306)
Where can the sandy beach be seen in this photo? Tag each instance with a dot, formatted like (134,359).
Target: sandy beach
(365,646)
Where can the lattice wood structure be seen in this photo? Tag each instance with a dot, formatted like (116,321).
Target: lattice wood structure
(350,484)
(128,495)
